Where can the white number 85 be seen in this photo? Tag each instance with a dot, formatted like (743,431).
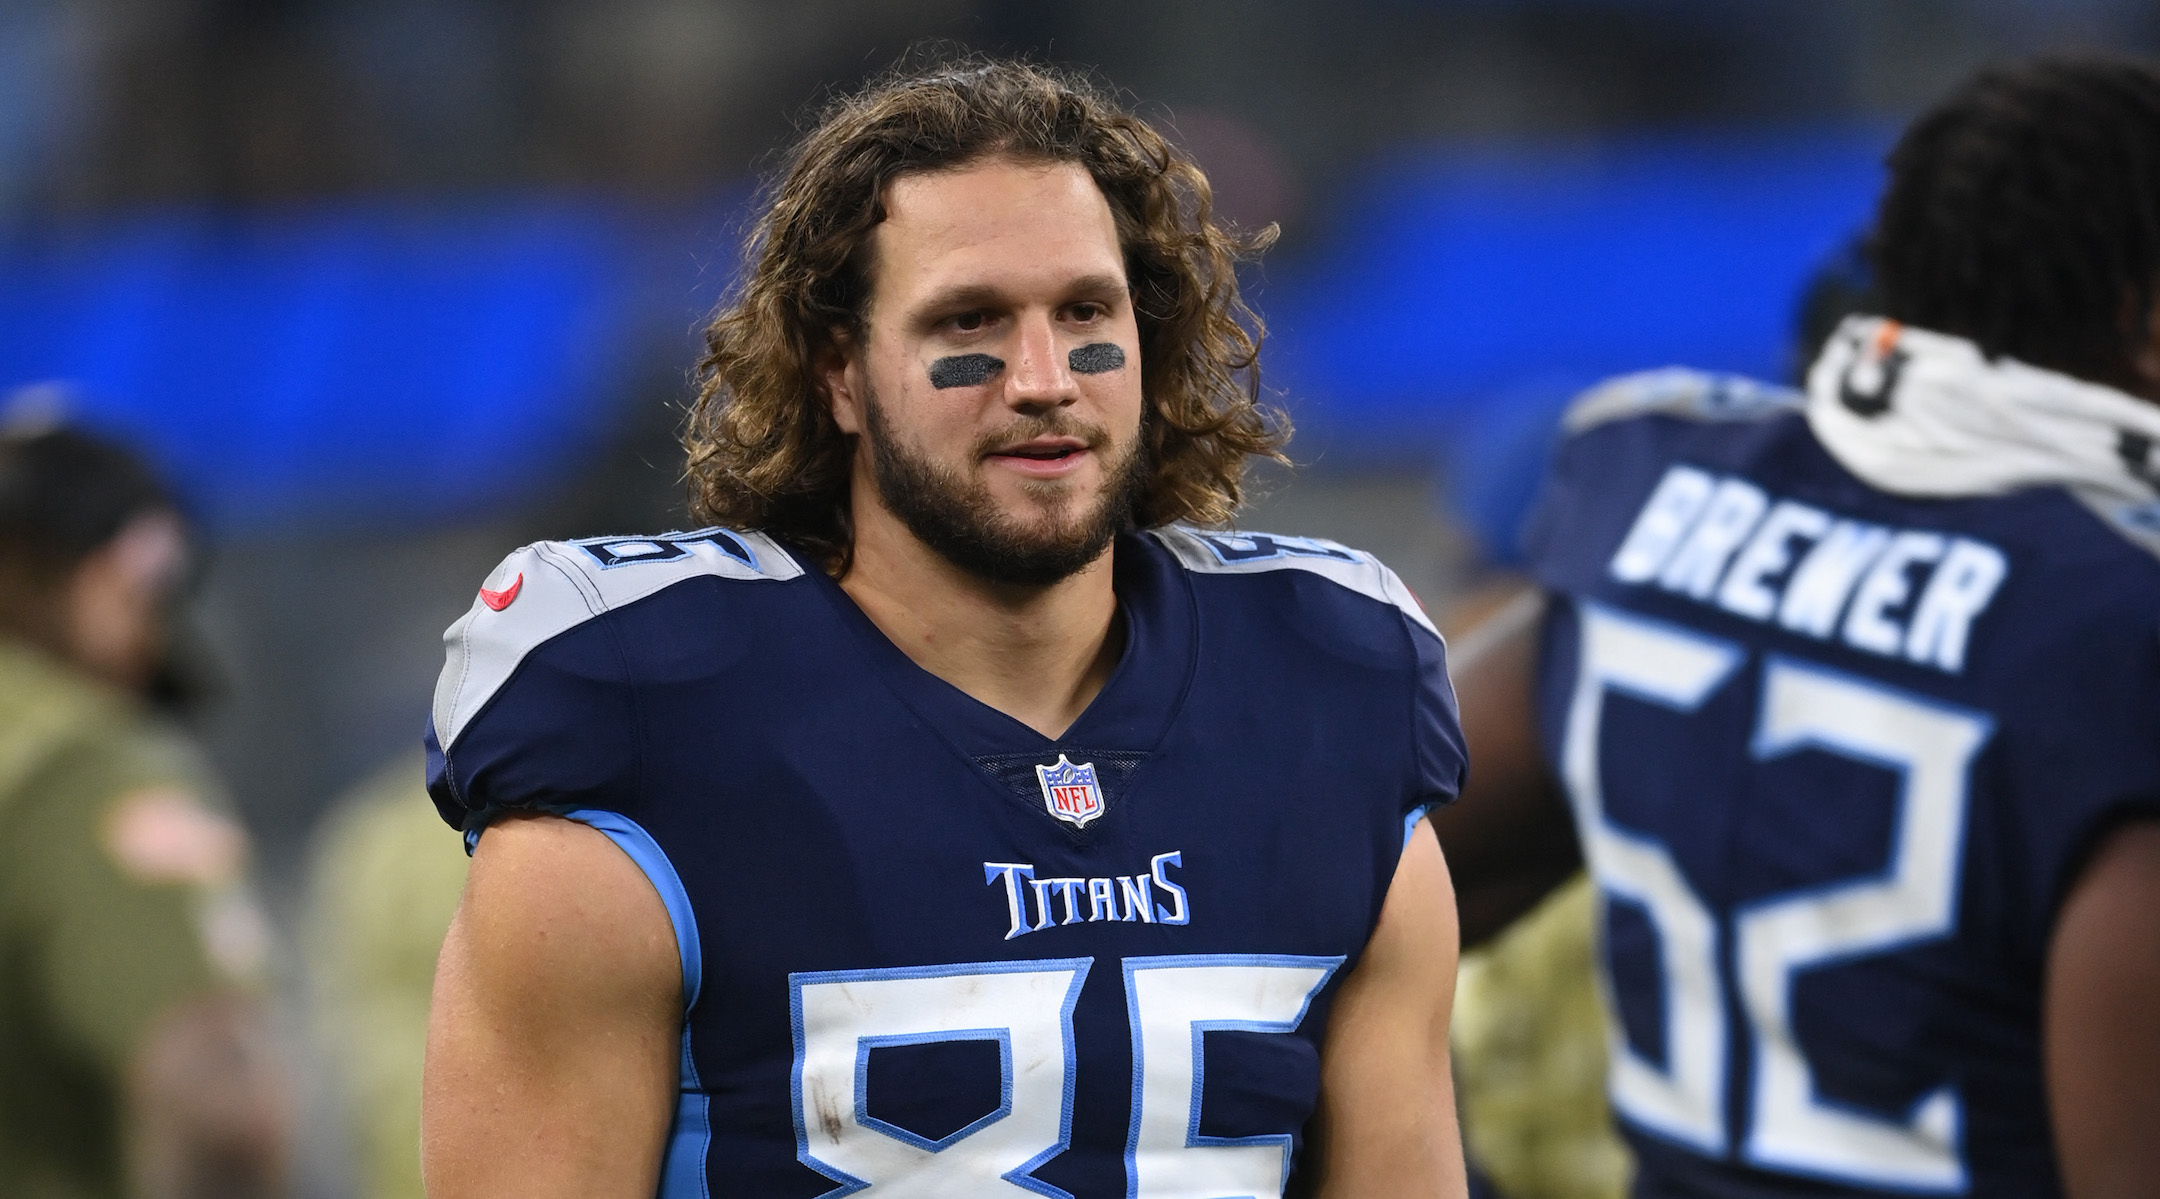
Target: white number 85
(1026,1006)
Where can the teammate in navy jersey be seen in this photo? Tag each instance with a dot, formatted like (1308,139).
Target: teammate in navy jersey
(960,815)
(1855,696)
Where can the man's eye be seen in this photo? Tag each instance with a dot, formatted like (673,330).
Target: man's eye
(968,322)
(1087,312)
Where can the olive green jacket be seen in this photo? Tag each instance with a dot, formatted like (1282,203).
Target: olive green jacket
(121,896)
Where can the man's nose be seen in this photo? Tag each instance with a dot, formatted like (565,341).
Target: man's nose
(1040,378)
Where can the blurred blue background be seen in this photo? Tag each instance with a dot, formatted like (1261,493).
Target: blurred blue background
(357,360)
(384,359)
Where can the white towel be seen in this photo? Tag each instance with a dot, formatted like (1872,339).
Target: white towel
(1924,414)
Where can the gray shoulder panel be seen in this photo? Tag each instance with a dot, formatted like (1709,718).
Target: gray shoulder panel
(1237,553)
(1678,391)
(2135,521)
(550,587)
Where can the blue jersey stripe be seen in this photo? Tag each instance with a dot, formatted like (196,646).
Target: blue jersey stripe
(682,1174)
(1410,820)
(653,860)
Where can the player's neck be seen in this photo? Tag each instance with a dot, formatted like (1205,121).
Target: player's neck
(1038,654)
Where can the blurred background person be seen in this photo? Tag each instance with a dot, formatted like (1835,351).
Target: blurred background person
(1530,1057)
(385,884)
(135,1057)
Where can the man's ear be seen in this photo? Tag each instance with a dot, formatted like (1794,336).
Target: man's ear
(838,372)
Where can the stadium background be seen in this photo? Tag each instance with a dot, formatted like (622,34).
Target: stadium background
(389,286)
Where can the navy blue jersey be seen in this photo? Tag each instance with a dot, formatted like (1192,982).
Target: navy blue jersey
(1834,757)
(926,949)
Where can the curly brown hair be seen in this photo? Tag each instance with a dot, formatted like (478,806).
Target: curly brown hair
(764,451)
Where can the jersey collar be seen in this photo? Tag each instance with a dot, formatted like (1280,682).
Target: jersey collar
(1136,706)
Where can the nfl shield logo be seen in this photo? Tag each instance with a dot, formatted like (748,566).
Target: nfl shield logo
(1070,791)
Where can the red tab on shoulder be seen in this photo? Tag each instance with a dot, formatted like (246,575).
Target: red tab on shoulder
(499,600)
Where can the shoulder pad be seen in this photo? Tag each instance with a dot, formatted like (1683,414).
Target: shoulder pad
(1678,391)
(550,587)
(2135,521)
(1237,553)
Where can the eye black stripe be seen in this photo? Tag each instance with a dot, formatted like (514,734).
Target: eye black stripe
(1095,358)
(967,370)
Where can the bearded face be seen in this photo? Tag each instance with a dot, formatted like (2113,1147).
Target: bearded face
(1051,533)
(995,390)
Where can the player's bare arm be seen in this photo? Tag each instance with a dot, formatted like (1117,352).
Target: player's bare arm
(1386,1124)
(2102,1021)
(1509,839)
(553,1039)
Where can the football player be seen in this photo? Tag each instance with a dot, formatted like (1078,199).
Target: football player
(1855,695)
(964,813)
